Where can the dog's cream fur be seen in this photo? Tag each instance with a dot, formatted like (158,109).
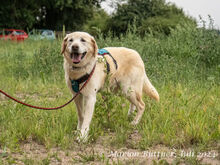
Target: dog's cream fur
(130,76)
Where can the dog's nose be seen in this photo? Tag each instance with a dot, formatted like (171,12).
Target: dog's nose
(75,47)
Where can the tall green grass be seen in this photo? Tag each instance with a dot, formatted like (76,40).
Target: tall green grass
(184,67)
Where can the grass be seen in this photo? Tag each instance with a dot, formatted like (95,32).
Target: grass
(184,67)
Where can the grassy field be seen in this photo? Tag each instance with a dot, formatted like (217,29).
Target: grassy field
(184,67)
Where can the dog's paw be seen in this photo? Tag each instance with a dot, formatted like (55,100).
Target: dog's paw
(82,138)
(134,122)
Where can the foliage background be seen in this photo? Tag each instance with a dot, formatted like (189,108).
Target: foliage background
(78,15)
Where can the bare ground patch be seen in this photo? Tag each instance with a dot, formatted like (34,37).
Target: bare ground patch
(101,152)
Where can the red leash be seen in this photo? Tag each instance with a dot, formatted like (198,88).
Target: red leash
(54,108)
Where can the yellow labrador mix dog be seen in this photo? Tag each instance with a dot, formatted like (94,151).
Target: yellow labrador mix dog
(124,68)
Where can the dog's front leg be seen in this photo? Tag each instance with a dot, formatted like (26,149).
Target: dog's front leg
(89,104)
(79,105)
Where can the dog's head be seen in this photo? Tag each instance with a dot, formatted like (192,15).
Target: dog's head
(79,48)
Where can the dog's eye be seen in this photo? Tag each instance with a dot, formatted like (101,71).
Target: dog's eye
(83,40)
(71,40)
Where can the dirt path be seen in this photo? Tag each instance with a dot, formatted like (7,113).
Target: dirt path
(33,153)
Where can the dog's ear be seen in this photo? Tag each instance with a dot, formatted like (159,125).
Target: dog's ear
(63,47)
(95,47)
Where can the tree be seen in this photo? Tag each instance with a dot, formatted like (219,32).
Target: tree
(145,14)
(169,18)
(52,14)
(71,13)
(18,14)
(98,23)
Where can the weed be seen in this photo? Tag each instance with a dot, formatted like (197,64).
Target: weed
(88,157)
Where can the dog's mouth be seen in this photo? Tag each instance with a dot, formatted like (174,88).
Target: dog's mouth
(77,57)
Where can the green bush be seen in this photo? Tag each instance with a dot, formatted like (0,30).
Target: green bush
(161,24)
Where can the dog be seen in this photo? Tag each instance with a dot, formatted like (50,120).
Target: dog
(122,66)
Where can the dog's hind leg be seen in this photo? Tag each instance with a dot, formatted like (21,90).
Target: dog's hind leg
(136,99)
(133,92)
(131,109)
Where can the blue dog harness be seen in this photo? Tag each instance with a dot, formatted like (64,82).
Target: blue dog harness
(101,52)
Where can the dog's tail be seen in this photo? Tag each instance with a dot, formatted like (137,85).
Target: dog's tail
(150,90)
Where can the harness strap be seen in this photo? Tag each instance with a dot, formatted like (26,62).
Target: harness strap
(107,67)
(103,52)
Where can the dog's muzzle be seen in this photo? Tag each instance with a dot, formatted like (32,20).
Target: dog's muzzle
(77,57)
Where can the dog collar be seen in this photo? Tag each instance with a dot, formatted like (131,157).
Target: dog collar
(75,83)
